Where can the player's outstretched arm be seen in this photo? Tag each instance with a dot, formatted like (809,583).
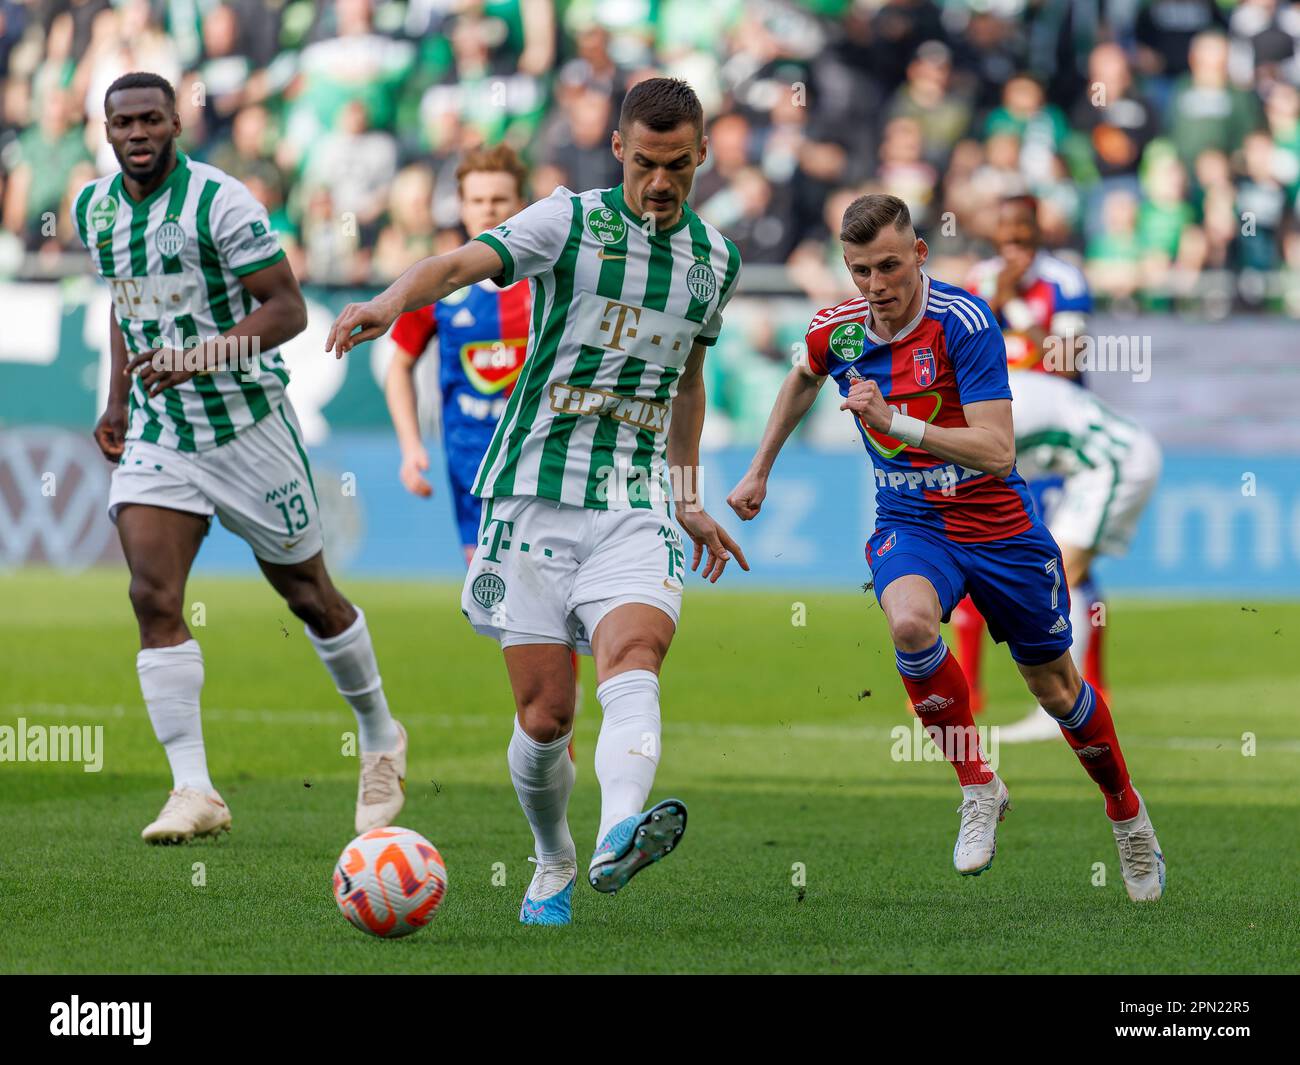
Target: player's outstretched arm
(987,442)
(399,391)
(683,449)
(426,282)
(797,395)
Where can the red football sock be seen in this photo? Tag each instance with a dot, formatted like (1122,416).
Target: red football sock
(1097,746)
(942,702)
(968,625)
(1092,661)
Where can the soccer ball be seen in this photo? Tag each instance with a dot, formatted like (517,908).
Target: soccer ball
(389,882)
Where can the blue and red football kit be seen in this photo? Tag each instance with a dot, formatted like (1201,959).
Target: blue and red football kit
(482,336)
(963,530)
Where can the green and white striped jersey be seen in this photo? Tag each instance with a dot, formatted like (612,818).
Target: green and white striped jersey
(616,311)
(173,263)
(1064,429)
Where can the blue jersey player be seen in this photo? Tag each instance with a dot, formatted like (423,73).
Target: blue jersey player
(922,367)
(482,336)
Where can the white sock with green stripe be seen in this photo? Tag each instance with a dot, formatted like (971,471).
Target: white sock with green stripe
(627,752)
(350,659)
(171,681)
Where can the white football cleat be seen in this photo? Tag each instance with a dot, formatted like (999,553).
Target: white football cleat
(1140,857)
(1039,725)
(187,813)
(381,790)
(981,810)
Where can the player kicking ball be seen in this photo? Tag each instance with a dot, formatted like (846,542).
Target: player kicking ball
(576,547)
(198,278)
(923,368)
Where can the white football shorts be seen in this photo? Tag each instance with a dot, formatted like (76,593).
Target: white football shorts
(546,572)
(259,485)
(1098,509)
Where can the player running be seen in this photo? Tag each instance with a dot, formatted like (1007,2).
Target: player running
(196,273)
(1106,468)
(922,366)
(1042,304)
(576,547)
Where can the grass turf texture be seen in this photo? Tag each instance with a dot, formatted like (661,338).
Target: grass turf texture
(769,738)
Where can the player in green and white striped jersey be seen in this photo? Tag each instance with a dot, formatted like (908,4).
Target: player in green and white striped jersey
(601,433)
(198,424)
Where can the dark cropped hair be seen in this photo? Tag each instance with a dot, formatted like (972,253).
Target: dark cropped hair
(141,79)
(661,104)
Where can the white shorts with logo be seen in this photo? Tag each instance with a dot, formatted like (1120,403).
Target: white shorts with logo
(1098,509)
(547,572)
(259,485)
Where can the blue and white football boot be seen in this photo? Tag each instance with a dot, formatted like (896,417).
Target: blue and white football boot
(549,898)
(636,842)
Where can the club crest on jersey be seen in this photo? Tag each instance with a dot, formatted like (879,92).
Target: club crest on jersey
(847,340)
(923,366)
(488,589)
(169,240)
(887,545)
(702,282)
(605,225)
(103,214)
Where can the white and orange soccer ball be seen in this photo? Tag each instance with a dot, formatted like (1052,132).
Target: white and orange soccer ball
(389,882)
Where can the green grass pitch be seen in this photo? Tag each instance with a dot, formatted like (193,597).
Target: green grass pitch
(769,736)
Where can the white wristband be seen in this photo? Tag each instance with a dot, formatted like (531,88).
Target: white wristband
(1019,315)
(907,429)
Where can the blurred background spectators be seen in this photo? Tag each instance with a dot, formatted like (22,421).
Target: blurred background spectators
(1161,137)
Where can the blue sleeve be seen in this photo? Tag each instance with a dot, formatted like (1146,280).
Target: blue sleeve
(979,359)
(1080,301)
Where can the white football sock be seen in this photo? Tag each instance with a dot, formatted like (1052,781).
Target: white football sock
(543,775)
(171,680)
(1081,623)
(627,752)
(350,659)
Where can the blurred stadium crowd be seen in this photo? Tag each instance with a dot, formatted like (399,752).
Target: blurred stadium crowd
(1162,137)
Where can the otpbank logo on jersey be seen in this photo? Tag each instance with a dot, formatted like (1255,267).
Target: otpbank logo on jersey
(923,369)
(847,340)
(605,225)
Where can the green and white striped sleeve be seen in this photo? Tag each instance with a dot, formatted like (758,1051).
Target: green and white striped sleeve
(731,276)
(530,242)
(242,231)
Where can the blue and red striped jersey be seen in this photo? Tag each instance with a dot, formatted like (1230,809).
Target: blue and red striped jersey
(482,336)
(949,355)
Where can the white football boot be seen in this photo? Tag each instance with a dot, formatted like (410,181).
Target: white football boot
(981,810)
(381,790)
(187,813)
(1140,857)
(1038,726)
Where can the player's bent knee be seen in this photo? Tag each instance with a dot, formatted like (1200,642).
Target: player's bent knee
(155,603)
(547,719)
(913,631)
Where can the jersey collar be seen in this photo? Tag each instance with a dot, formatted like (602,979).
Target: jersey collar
(614,199)
(906,331)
